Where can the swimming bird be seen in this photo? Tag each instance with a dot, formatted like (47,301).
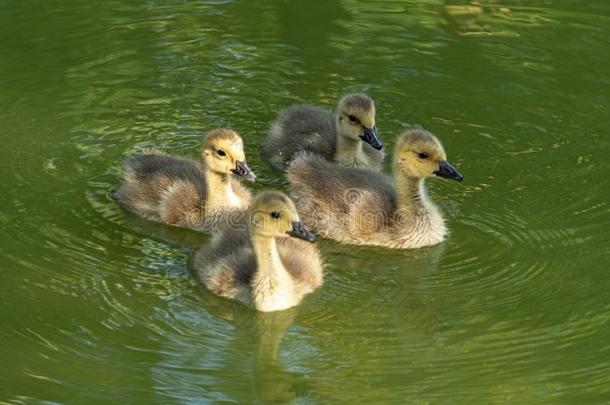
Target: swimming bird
(183,192)
(363,207)
(270,264)
(348,136)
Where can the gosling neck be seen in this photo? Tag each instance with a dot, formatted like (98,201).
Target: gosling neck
(412,197)
(350,151)
(219,192)
(272,285)
(417,217)
(267,257)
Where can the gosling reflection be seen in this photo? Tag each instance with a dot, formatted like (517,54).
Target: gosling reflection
(272,381)
(413,314)
(169,234)
(264,332)
(396,285)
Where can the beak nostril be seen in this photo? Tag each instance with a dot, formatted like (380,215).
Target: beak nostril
(371,137)
(242,169)
(448,171)
(300,231)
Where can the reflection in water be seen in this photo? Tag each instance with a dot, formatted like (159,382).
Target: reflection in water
(271,379)
(248,359)
(99,197)
(513,308)
(395,283)
(415,315)
(476,18)
(264,332)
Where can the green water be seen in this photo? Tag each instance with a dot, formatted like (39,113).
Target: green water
(98,306)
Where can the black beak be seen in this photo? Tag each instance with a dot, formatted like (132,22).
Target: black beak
(300,231)
(446,170)
(370,136)
(242,169)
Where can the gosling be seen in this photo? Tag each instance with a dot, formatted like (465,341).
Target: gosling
(183,192)
(270,264)
(348,137)
(362,207)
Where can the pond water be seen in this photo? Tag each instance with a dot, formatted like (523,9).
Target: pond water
(98,306)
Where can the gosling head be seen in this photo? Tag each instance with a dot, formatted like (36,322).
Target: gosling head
(223,152)
(421,154)
(356,119)
(273,214)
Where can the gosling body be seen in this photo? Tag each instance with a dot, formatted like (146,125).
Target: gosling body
(269,263)
(348,136)
(362,207)
(183,192)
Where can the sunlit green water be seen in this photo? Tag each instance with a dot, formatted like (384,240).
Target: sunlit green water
(98,306)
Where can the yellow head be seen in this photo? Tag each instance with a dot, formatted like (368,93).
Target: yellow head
(273,214)
(223,152)
(356,119)
(418,153)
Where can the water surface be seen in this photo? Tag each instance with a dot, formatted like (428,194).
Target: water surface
(99,306)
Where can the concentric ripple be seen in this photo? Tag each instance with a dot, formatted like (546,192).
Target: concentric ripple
(100,306)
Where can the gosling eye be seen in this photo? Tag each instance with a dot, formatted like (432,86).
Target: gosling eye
(275,214)
(353,119)
(423,155)
(221,152)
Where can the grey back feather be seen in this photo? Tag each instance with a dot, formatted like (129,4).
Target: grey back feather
(332,198)
(306,128)
(149,178)
(154,167)
(298,128)
(226,264)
